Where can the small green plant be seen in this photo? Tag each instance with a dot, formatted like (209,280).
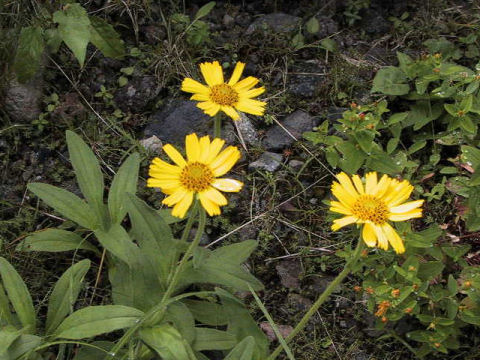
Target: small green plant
(195,31)
(353,9)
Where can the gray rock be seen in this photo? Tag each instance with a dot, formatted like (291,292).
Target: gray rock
(175,121)
(296,164)
(289,272)
(320,283)
(152,143)
(306,78)
(284,330)
(278,22)
(22,101)
(137,93)
(296,123)
(268,161)
(298,302)
(228,20)
(374,23)
(246,128)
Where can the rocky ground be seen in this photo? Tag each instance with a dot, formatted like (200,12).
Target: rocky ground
(286,178)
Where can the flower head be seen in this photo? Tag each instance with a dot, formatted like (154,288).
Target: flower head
(195,176)
(228,97)
(373,204)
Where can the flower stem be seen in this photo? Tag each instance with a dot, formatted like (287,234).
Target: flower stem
(157,311)
(217,126)
(321,299)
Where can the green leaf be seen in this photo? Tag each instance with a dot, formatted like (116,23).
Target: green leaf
(167,342)
(383,163)
(29,53)
(96,320)
(117,241)
(177,313)
(102,348)
(397,117)
(364,139)
(416,146)
(7,336)
(87,170)
(430,270)
(390,80)
(352,158)
(329,45)
(312,25)
(54,240)
(212,339)
(467,124)
(298,41)
(471,156)
(18,294)
(207,312)
(65,294)
(53,40)
(452,285)
(154,236)
(5,313)
(125,181)
(204,10)
(23,345)
(105,38)
(74,29)
(243,350)
(66,203)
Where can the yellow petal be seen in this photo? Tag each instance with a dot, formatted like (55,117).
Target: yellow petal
(344,197)
(152,182)
(406,207)
(230,111)
(382,186)
(182,206)
(347,185)
(192,147)
(416,213)
(211,208)
(175,197)
(358,184)
(393,238)
(371,183)
(399,194)
(225,161)
(215,148)
(246,84)
(237,72)
(368,235)
(227,185)
(162,166)
(209,108)
(200,97)
(251,106)
(193,86)
(174,155)
(204,144)
(344,221)
(212,73)
(338,207)
(215,196)
(381,238)
(253,92)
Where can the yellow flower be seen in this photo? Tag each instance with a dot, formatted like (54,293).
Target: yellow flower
(198,175)
(227,97)
(373,204)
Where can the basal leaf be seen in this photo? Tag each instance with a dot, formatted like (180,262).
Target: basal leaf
(167,342)
(117,241)
(243,350)
(55,240)
(212,339)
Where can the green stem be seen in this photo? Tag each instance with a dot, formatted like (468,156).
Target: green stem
(217,126)
(158,310)
(321,299)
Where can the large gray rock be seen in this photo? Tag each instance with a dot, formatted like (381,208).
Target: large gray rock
(296,123)
(278,22)
(22,101)
(175,121)
(268,161)
(136,95)
(306,78)
(245,127)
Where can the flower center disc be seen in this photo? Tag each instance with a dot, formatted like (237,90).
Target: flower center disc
(223,94)
(368,207)
(196,177)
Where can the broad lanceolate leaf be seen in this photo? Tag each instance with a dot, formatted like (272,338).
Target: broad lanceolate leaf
(74,28)
(87,171)
(22,345)
(65,294)
(207,312)
(212,339)
(6,316)
(243,350)
(204,10)
(177,313)
(7,336)
(154,236)
(55,240)
(18,294)
(390,81)
(96,320)
(125,181)
(117,241)
(167,342)
(29,53)
(66,203)
(105,38)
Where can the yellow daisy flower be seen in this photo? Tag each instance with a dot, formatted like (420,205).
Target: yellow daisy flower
(218,95)
(197,175)
(373,204)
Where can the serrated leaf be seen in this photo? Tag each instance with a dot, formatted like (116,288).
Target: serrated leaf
(74,29)
(18,295)
(105,38)
(66,203)
(212,339)
(124,182)
(55,240)
(65,294)
(205,10)
(390,80)
(96,320)
(29,53)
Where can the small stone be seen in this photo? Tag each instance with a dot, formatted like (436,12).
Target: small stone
(289,272)
(306,78)
(268,161)
(320,283)
(296,164)
(313,201)
(138,92)
(153,144)
(296,123)
(22,101)
(228,20)
(284,330)
(299,303)
(278,22)
(246,128)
